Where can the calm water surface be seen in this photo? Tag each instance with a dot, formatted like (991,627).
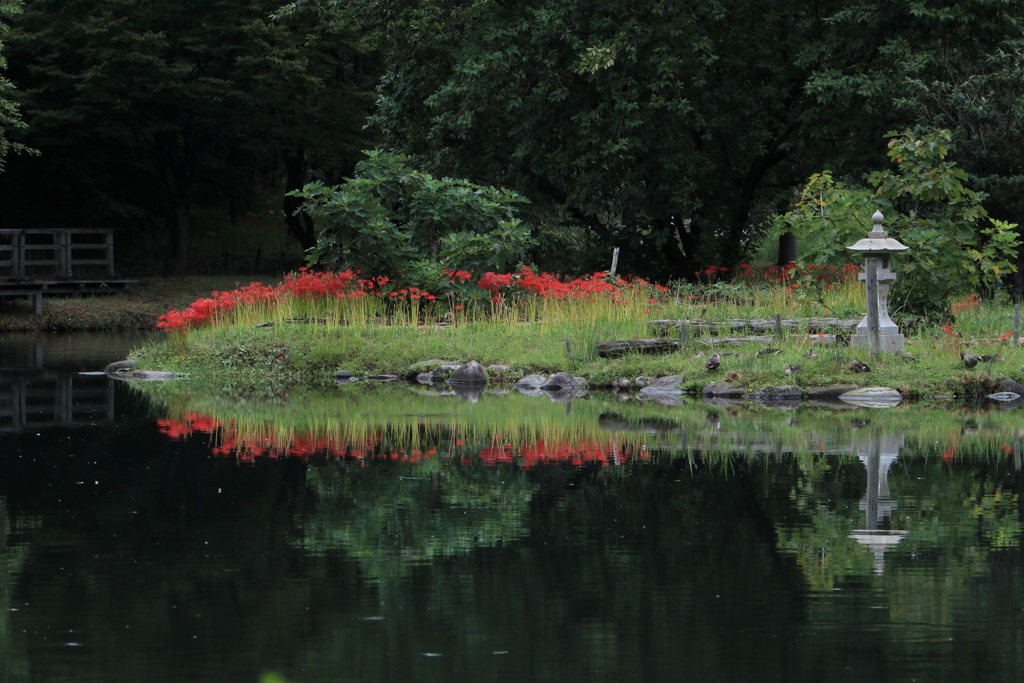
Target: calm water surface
(178,532)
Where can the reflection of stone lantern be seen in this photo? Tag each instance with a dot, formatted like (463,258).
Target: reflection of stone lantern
(877,455)
(877,331)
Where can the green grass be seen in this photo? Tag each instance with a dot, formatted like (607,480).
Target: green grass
(247,356)
(304,353)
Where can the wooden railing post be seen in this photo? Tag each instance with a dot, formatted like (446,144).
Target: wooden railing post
(64,253)
(109,241)
(18,255)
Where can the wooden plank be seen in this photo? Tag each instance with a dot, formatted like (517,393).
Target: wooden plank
(764,324)
(607,349)
(822,339)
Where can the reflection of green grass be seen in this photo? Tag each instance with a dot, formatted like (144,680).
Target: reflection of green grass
(407,420)
(391,516)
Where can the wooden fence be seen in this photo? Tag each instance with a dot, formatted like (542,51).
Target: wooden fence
(66,261)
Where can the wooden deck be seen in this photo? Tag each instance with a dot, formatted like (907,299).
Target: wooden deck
(59,262)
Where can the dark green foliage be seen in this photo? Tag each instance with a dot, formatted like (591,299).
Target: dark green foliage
(145,112)
(671,130)
(956,247)
(392,221)
(10,115)
(667,129)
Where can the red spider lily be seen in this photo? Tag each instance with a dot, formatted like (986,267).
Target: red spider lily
(970,301)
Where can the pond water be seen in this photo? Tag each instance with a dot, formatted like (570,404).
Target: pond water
(180,532)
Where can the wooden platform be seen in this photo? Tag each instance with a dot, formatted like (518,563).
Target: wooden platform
(57,262)
(37,289)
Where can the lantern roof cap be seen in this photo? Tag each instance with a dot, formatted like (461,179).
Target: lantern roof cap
(877,241)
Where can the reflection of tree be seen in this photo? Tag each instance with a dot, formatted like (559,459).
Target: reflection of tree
(953,518)
(392,519)
(14,665)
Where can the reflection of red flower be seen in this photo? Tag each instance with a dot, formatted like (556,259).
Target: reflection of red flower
(173,428)
(246,448)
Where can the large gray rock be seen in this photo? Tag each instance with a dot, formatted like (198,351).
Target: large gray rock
(143,375)
(532,382)
(121,366)
(786,397)
(665,385)
(470,373)
(831,391)
(1010,386)
(783,393)
(563,380)
(722,389)
(873,397)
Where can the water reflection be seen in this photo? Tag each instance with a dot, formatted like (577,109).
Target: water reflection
(50,399)
(372,534)
(878,452)
(42,384)
(469,485)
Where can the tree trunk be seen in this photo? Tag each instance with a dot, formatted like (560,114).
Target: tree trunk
(181,229)
(787,248)
(300,225)
(175,162)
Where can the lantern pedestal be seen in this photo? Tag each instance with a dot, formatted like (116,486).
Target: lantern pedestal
(877,330)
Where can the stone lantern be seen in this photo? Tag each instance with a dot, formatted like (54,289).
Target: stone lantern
(878,452)
(877,331)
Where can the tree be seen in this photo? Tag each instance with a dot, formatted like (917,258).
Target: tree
(902,64)
(673,130)
(392,221)
(144,110)
(666,129)
(10,115)
(956,245)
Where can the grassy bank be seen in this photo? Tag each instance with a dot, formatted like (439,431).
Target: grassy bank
(138,307)
(309,354)
(302,331)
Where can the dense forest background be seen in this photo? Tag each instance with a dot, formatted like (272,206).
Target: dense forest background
(678,132)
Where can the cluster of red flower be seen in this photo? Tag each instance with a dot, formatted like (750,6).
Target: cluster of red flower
(970,301)
(306,446)
(548,286)
(308,285)
(791,271)
(305,284)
